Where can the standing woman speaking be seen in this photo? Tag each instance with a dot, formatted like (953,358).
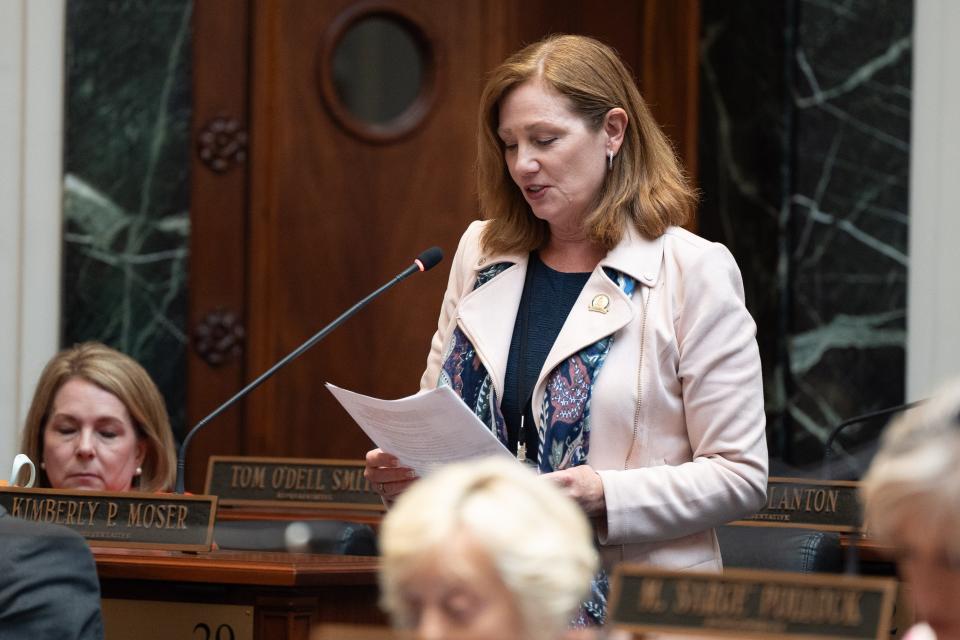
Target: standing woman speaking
(599,340)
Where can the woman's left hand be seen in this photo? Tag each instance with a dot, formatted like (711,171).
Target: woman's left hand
(583,484)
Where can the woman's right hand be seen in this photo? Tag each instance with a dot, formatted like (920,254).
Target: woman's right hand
(386,476)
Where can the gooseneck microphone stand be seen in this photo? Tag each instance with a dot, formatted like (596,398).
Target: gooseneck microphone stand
(851,560)
(832,436)
(424,262)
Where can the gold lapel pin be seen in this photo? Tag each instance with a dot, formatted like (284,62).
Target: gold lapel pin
(600,303)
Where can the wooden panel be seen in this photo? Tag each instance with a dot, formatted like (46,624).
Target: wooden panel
(670,72)
(358,632)
(288,592)
(218,206)
(616,23)
(320,217)
(285,617)
(659,41)
(334,217)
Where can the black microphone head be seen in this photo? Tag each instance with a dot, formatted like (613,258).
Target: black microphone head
(429,258)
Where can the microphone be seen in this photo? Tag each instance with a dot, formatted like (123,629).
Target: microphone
(832,436)
(424,262)
(851,556)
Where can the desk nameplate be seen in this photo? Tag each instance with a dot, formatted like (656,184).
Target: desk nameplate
(745,603)
(825,505)
(290,482)
(120,519)
(161,620)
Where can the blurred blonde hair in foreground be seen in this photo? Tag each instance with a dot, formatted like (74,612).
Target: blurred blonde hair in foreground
(912,503)
(539,541)
(915,477)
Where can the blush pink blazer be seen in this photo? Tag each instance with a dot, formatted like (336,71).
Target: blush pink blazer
(677,417)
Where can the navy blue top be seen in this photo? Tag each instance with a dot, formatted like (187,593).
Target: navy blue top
(547,298)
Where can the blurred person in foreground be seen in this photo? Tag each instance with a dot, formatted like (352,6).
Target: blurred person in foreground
(911,496)
(600,341)
(485,550)
(48,583)
(97,421)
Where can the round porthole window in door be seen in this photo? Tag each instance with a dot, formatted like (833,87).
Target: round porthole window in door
(377,73)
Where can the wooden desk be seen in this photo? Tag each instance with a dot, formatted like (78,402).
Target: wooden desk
(288,514)
(287,592)
(869,550)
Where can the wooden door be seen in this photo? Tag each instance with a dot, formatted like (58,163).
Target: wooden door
(310,209)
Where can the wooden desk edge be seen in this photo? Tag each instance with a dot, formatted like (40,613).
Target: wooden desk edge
(228,513)
(236,567)
(868,549)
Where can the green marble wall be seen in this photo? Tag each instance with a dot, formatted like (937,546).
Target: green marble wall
(804,167)
(126,190)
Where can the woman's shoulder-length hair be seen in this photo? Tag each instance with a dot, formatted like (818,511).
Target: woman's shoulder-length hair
(123,377)
(646,186)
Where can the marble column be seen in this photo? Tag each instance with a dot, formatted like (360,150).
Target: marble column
(805,149)
(126,191)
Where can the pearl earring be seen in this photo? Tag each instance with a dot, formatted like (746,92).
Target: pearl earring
(43,465)
(138,472)
(609,160)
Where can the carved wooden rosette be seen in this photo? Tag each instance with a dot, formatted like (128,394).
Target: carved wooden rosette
(218,337)
(222,144)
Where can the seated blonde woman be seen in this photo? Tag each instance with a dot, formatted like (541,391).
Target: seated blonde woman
(484,550)
(912,502)
(97,421)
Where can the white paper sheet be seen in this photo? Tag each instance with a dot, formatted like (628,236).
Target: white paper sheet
(425,430)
